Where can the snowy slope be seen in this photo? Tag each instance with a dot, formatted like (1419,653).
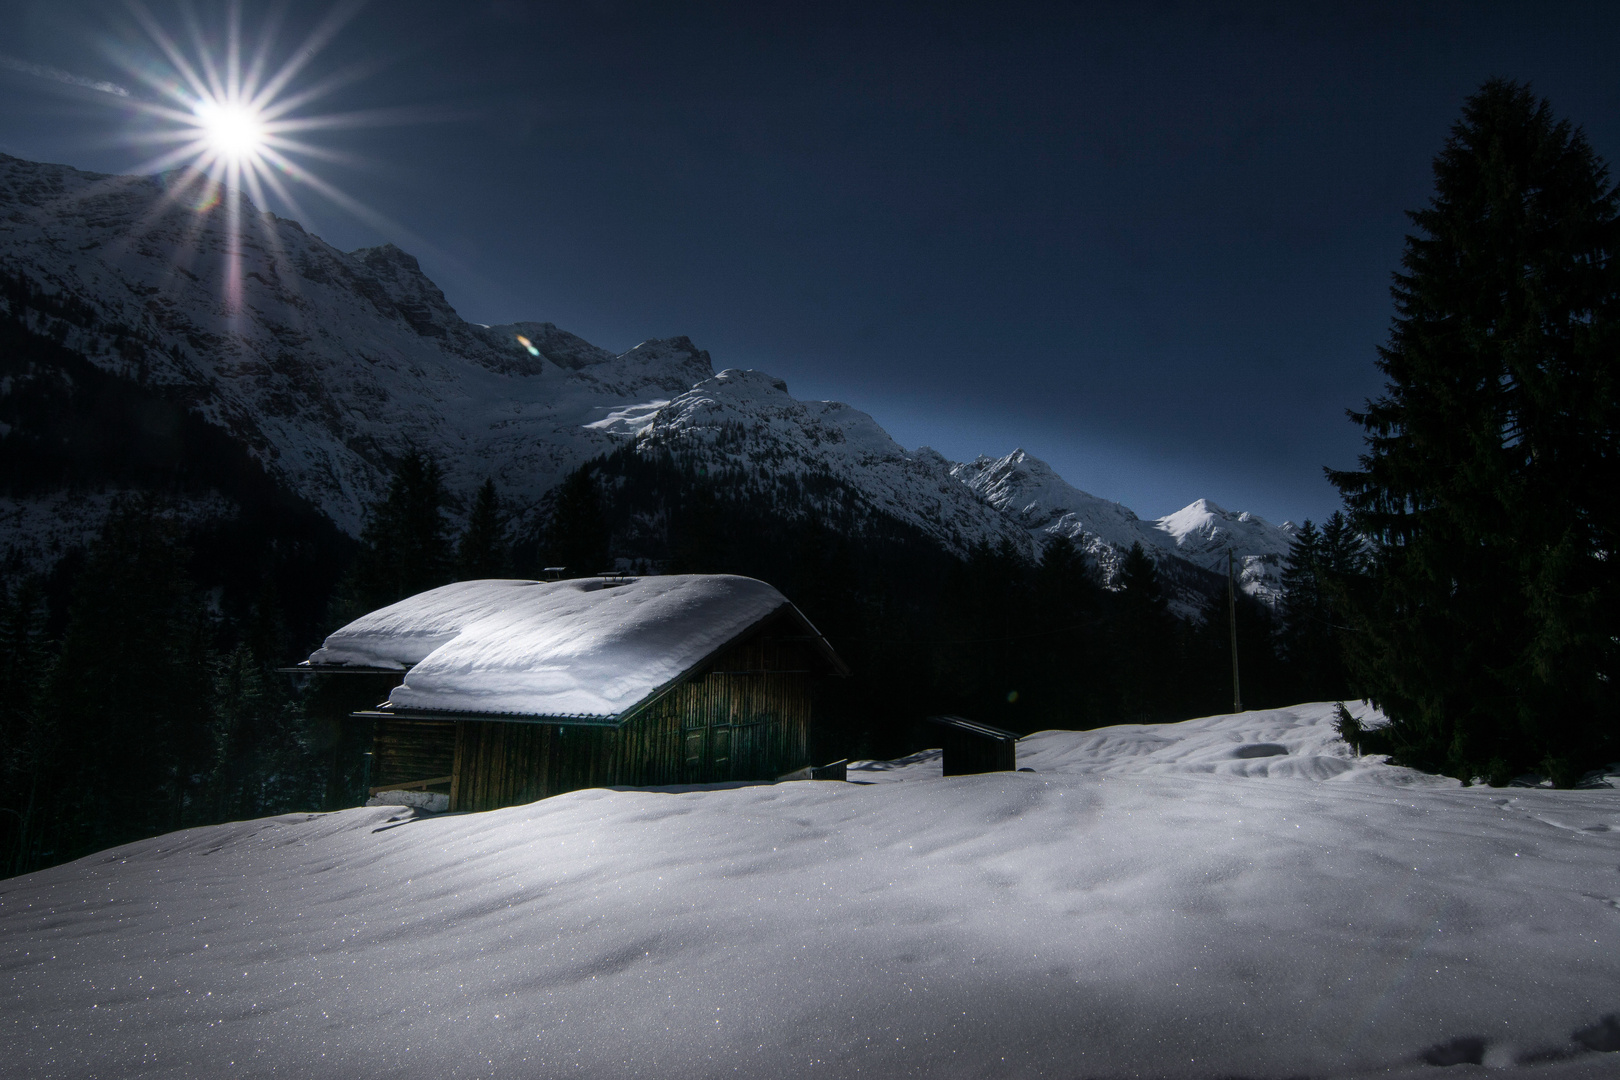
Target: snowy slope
(333,364)
(748,419)
(1026,489)
(1178,901)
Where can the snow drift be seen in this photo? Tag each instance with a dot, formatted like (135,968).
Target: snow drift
(1233,896)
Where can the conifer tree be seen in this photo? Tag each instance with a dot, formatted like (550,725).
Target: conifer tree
(1301,584)
(130,693)
(484,550)
(1139,582)
(576,537)
(27,731)
(1341,551)
(262,759)
(1144,638)
(1489,629)
(1067,617)
(1310,623)
(405,544)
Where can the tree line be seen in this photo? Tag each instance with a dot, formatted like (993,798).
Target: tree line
(139,690)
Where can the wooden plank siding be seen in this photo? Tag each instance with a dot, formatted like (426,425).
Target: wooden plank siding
(403,751)
(746,716)
(504,764)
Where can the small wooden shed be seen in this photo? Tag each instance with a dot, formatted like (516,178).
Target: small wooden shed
(972,747)
(517,690)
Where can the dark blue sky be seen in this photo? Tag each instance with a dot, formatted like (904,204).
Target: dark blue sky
(1148,243)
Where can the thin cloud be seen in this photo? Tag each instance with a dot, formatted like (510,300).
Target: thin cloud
(45,71)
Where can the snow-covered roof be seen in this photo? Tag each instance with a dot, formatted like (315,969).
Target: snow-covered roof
(578,648)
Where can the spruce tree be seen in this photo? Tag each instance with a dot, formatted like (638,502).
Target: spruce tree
(405,544)
(130,694)
(1310,634)
(484,550)
(1071,692)
(576,537)
(1488,629)
(28,733)
(1144,639)
(1341,551)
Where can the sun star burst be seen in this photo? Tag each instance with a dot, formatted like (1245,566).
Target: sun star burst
(226,120)
(234,131)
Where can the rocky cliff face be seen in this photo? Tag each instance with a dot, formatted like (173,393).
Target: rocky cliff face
(327,366)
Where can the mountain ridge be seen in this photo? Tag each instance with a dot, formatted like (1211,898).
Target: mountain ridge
(328,366)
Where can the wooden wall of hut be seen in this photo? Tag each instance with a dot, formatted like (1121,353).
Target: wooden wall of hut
(407,751)
(503,764)
(746,718)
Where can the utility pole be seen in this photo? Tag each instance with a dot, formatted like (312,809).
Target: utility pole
(1231,618)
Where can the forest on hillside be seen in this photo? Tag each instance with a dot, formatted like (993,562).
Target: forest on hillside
(139,689)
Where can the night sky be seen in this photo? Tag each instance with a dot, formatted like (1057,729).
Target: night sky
(1148,243)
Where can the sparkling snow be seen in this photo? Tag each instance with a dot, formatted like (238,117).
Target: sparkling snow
(564,648)
(1171,901)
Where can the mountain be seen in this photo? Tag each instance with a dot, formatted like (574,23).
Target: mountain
(748,422)
(325,367)
(332,364)
(1025,489)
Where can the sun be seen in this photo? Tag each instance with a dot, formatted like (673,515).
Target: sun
(234,131)
(230,123)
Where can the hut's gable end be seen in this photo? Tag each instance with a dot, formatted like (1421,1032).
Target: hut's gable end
(744,715)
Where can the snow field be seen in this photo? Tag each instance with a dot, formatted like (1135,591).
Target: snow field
(1154,901)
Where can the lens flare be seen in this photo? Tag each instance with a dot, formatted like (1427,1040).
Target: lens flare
(226,120)
(527,344)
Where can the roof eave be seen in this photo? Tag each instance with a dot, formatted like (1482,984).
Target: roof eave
(307,668)
(619,720)
(454,716)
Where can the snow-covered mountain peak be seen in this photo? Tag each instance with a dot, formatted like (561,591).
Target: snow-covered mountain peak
(1030,492)
(811,433)
(745,420)
(1204,533)
(1023,485)
(748,380)
(674,363)
(329,366)
(332,364)
(526,346)
(1200,516)
(420,302)
(1204,525)
(1033,494)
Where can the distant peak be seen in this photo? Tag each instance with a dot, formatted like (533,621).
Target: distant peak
(751,377)
(682,362)
(1019,460)
(679,346)
(1201,506)
(387,256)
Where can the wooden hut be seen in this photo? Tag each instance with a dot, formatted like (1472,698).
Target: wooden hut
(972,747)
(516,690)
